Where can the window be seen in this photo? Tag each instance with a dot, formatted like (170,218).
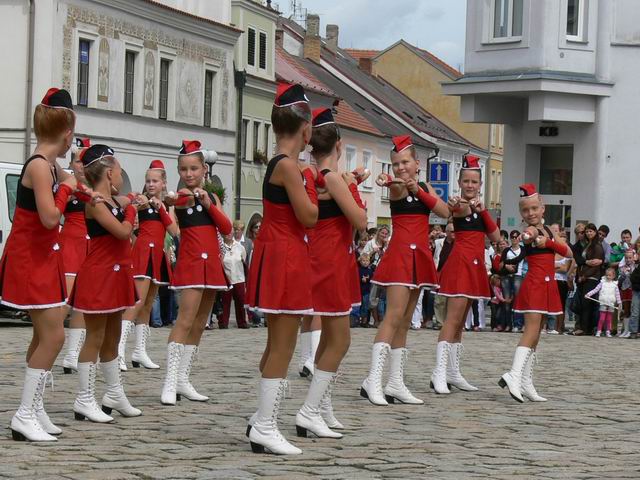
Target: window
(164,88)
(129,73)
(83,72)
(493,186)
(251,48)
(366,163)
(256,134)
(499,188)
(575,20)
(351,159)
(267,128)
(11,182)
(263,50)
(507,19)
(386,168)
(245,131)
(208,97)
(556,170)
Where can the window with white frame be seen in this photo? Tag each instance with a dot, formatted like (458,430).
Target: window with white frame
(129,80)
(367,163)
(386,168)
(506,18)
(351,159)
(575,20)
(263,51)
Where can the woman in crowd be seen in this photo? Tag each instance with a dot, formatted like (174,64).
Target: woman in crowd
(104,287)
(74,244)
(279,283)
(538,296)
(151,266)
(31,269)
(588,276)
(463,278)
(233,260)
(334,274)
(198,274)
(406,267)
(562,266)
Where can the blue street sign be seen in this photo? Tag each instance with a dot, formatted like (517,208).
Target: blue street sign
(439,172)
(442,190)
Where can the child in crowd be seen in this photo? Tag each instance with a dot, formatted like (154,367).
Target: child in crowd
(626,266)
(497,304)
(609,297)
(366,272)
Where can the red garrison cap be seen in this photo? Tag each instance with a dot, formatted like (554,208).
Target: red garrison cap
(322,116)
(401,142)
(156,165)
(528,190)
(57,98)
(190,146)
(83,142)
(471,162)
(289,94)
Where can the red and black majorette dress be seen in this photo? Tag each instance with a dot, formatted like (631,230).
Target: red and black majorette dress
(199,263)
(539,291)
(408,260)
(464,274)
(280,272)
(104,283)
(74,239)
(31,268)
(149,258)
(335,284)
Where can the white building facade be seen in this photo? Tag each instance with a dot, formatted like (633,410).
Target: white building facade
(562,75)
(142,75)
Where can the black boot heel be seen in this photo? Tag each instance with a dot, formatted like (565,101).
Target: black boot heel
(78,416)
(178,397)
(301,431)
(107,410)
(248,431)
(390,399)
(135,364)
(502,383)
(363,393)
(67,370)
(17,436)
(305,372)
(256,448)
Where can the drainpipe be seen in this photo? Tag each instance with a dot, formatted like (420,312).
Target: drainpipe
(29,86)
(436,152)
(240,80)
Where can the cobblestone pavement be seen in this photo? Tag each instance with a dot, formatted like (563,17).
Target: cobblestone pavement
(590,428)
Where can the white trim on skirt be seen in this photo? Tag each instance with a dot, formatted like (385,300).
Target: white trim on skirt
(147,277)
(412,286)
(460,295)
(206,287)
(32,307)
(96,312)
(538,311)
(308,311)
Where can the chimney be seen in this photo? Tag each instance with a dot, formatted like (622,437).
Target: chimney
(280,37)
(333,32)
(366,65)
(312,42)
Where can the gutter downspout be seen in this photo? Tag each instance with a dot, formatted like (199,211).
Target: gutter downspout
(240,79)
(29,86)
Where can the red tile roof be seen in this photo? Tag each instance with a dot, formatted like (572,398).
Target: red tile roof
(291,69)
(358,54)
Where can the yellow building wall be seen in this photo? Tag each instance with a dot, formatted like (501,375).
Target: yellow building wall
(420,81)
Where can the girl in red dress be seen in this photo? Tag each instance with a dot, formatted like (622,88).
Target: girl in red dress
(335,282)
(538,296)
(151,266)
(199,273)
(406,267)
(74,244)
(279,276)
(464,277)
(104,287)
(31,270)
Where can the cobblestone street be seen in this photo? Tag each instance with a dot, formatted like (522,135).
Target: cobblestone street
(590,428)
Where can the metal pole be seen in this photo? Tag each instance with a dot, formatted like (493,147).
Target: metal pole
(29,87)
(240,78)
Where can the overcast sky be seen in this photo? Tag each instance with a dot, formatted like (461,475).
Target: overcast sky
(435,25)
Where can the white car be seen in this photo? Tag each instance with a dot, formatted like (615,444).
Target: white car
(9,177)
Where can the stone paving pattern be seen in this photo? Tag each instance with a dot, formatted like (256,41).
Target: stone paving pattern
(590,428)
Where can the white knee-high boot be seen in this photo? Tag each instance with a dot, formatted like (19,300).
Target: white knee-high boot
(454,376)
(85,405)
(439,375)
(326,405)
(41,414)
(184,386)
(305,352)
(175,352)
(309,364)
(372,386)
(309,417)
(139,355)
(122,346)
(528,390)
(265,435)
(396,389)
(25,424)
(513,378)
(115,398)
(75,340)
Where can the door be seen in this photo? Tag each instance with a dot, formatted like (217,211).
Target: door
(8,191)
(556,184)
